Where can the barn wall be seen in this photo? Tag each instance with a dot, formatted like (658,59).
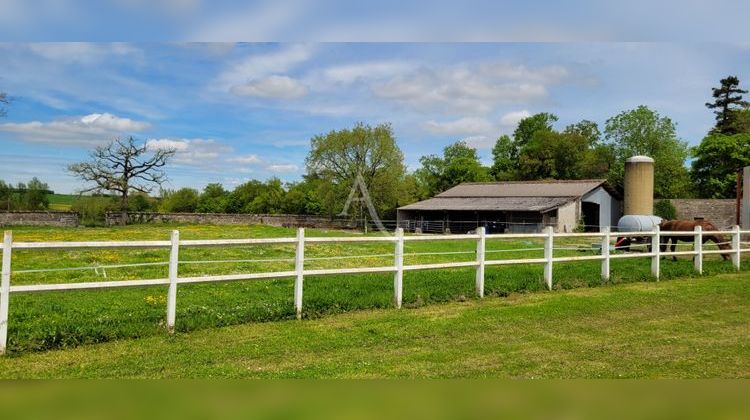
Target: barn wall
(567,216)
(609,207)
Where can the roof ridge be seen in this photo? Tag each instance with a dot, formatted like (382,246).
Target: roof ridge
(539,181)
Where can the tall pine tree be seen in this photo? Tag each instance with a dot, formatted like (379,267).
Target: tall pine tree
(727,100)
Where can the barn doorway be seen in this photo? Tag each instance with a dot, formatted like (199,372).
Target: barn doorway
(590,213)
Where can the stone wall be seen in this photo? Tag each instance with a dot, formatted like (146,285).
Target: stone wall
(720,212)
(39,218)
(282,220)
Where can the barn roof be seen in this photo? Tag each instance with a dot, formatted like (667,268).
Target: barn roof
(550,188)
(536,196)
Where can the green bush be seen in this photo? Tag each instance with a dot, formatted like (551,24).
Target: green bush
(184,200)
(665,209)
(94,209)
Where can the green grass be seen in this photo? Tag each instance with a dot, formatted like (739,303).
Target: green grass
(677,329)
(44,321)
(61,202)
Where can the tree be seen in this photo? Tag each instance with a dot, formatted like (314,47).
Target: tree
(589,130)
(553,155)
(123,167)
(184,200)
(727,99)
(717,160)
(6,195)
(642,131)
(4,101)
(337,158)
(213,199)
(460,163)
(36,195)
(504,159)
(528,126)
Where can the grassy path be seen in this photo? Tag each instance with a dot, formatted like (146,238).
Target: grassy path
(693,328)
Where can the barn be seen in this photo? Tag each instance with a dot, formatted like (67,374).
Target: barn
(523,206)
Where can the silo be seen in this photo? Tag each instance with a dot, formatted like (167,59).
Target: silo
(639,186)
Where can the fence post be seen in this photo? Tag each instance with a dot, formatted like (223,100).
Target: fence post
(480,261)
(548,244)
(736,247)
(656,251)
(698,248)
(5,290)
(299,266)
(398,277)
(174,258)
(606,238)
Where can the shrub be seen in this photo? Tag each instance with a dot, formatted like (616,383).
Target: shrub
(184,200)
(93,209)
(665,209)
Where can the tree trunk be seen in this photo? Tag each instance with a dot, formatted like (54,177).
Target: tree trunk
(124,210)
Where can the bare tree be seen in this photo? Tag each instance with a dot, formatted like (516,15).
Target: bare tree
(123,166)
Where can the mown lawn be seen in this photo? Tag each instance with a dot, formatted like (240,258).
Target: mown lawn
(693,328)
(52,320)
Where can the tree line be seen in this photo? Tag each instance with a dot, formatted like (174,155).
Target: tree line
(536,150)
(30,196)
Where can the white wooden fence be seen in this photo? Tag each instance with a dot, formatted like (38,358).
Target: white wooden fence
(398,267)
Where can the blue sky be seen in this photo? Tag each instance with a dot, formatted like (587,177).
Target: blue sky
(242,111)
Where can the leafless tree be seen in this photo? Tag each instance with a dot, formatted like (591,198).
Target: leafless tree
(123,166)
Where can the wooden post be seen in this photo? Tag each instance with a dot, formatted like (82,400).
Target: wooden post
(698,247)
(605,253)
(480,261)
(299,266)
(548,244)
(736,247)
(656,253)
(5,290)
(398,277)
(174,258)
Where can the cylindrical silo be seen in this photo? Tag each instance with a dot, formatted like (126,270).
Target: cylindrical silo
(639,185)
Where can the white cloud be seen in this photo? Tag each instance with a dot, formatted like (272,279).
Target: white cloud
(258,66)
(478,88)
(83,52)
(246,160)
(271,87)
(512,119)
(87,130)
(350,73)
(480,142)
(191,151)
(282,168)
(462,126)
(252,162)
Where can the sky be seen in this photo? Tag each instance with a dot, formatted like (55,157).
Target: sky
(238,111)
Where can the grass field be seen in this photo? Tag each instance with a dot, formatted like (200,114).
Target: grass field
(61,202)
(68,319)
(677,329)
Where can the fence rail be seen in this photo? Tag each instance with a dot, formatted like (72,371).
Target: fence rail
(398,268)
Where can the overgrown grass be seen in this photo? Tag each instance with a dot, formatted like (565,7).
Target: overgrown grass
(52,320)
(61,202)
(676,329)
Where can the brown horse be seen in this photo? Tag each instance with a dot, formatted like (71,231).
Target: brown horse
(689,226)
